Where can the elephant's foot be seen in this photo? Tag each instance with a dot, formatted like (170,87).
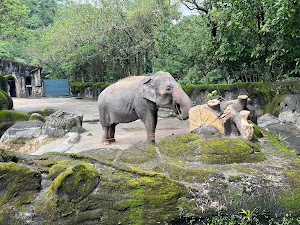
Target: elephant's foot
(108,141)
(151,142)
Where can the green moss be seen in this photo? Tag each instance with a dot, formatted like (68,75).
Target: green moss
(12,115)
(3,83)
(58,168)
(73,185)
(256,132)
(46,210)
(18,184)
(37,117)
(229,150)
(3,101)
(184,173)
(44,112)
(278,145)
(10,103)
(214,151)
(75,182)
(270,94)
(9,118)
(8,156)
(234,178)
(149,199)
(178,146)
(138,154)
(291,197)
(4,126)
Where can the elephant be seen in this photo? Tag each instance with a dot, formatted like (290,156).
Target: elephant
(139,97)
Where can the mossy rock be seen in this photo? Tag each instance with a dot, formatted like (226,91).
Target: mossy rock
(291,198)
(257,133)
(18,183)
(38,117)
(4,126)
(224,150)
(8,156)
(3,83)
(137,154)
(12,116)
(3,101)
(176,186)
(181,172)
(135,197)
(75,183)
(44,112)
(9,118)
(6,101)
(82,194)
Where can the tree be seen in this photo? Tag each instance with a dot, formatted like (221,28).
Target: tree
(41,14)
(13,16)
(102,40)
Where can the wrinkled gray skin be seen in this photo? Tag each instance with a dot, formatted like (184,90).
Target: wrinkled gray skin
(139,97)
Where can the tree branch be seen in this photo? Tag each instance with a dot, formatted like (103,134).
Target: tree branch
(196,6)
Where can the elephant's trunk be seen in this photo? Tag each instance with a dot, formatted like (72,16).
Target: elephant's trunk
(182,103)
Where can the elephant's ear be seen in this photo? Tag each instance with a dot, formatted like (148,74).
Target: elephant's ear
(149,91)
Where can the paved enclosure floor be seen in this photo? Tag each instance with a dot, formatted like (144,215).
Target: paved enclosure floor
(126,133)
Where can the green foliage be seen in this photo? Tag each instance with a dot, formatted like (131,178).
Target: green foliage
(234,41)
(105,42)
(13,15)
(102,41)
(41,14)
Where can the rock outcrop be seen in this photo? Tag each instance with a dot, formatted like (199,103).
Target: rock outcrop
(183,179)
(59,123)
(23,130)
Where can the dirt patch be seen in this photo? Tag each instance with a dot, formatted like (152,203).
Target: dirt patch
(127,134)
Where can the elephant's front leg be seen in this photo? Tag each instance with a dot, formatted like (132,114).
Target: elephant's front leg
(150,125)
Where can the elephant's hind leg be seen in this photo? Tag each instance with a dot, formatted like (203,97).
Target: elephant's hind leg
(111,132)
(108,134)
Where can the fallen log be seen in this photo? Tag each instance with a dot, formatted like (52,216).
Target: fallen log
(229,117)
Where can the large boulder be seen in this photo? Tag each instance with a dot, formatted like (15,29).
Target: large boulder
(23,130)
(59,123)
(9,118)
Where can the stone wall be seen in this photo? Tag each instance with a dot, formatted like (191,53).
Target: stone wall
(266,97)
(23,80)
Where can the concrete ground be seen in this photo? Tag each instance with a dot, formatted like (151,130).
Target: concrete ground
(126,133)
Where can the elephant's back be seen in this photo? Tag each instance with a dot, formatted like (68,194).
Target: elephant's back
(123,88)
(129,82)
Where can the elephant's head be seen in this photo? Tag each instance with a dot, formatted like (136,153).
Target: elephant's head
(162,89)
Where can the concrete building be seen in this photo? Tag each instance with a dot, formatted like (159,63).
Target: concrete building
(24,80)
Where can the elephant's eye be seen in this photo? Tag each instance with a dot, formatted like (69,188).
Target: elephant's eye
(169,88)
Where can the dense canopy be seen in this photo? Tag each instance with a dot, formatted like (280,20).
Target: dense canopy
(103,40)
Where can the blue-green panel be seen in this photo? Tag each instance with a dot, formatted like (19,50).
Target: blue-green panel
(56,87)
